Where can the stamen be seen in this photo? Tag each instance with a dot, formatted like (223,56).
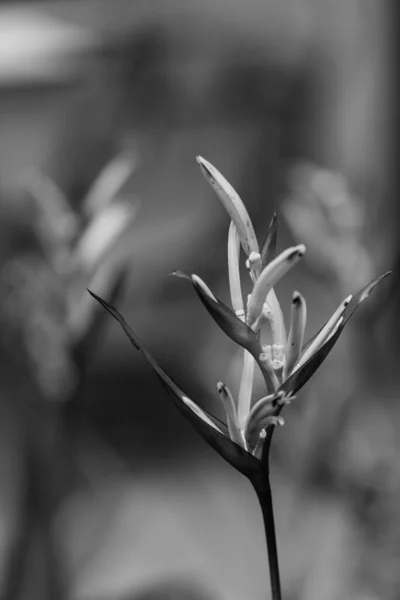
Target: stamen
(270,275)
(257,452)
(199,282)
(278,360)
(324,334)
(254,264)
(231,414)
(233,205)
(245,389)
(266,360)
(234,270)
(296,334)
(261,417)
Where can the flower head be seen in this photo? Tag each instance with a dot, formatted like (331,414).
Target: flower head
(257,324)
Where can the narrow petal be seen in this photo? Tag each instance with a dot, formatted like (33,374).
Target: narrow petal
(268,247)
(300,376)
(261,416)
(296,334)
(234,271)
(324,333)
(245,388)
(277,322)
(233,205)
(270,275)
(231,414)
(258,448)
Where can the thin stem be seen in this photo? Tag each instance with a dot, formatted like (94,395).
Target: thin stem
(263,490)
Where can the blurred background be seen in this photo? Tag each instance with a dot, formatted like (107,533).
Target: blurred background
(105,491)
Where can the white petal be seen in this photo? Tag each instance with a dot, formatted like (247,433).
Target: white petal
(269,276)
(233,205)
(234,269)
(324,334)
(296,333)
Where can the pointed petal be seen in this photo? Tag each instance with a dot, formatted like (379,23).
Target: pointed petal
(239,458)
(245,388)
(233,205)
(324,334)
(234,270)
(296,333)
(303,374)
(268,247)
(270,275)
(231,413)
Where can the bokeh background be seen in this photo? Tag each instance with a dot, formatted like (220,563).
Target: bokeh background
(107,492)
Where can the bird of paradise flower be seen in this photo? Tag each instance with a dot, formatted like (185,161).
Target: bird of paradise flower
(285,361)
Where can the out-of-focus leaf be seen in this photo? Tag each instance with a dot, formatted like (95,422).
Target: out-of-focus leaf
(268,247)
(218,440)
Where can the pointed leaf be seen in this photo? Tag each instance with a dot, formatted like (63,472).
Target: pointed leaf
(239,458)
(302,375)
(361,296)
(354,303)
(233,327)
(268,247)
(225,318)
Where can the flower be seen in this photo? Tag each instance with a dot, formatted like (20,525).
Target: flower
(258,326)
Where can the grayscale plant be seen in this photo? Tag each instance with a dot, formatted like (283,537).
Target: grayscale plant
(257,325)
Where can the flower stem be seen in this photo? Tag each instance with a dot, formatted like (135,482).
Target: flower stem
(263,490)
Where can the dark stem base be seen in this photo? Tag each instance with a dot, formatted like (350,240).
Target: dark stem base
(263,490)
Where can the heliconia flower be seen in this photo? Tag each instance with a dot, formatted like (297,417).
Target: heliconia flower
(286,363)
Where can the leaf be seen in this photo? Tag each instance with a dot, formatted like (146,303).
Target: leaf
(84,345)
(239,458)
(299,378)
(361,296)
(302,375)
(354,303)
(232,326)
(225,318)
(268,247)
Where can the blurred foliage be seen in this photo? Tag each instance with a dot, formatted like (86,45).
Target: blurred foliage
(254,88)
